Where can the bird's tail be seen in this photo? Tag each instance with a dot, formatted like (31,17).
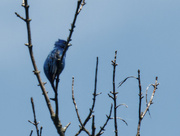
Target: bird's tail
(54,88)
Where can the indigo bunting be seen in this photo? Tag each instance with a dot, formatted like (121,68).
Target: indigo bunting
(52,66)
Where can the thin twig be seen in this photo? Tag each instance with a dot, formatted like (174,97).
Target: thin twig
(94,95)
(82,4)
(122,105)
(74,102)
(93,125)
(151,99)
(114,93)
(67,126)
(122,120)
(41,131)
(147,98)
(142,114)
(101,131)
(31,133)
(34,113)
(140,99)
(65,49)
(70,35)
(147,93)
(122,82)
(71,30)
(56,97)
(93,105)
(76,109)
(20,16)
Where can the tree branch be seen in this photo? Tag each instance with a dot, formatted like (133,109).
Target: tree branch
(93,105)
(78,9)
(93,125)
(77,113)
(74,102)
(56,121)
(82,4)
(148,104)
(35,123)
(101,131)
(114,93)
(54,116)
(122,82)
(140,99)
(31,133)
(152,96)
(41,131)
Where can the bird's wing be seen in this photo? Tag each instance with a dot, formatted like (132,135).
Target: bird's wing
(50,65)
(54,67)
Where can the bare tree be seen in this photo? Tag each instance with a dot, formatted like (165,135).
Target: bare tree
(54,114)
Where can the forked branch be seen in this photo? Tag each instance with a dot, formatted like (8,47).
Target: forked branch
(102,129)
(148,104)
(35,123)
(82,127)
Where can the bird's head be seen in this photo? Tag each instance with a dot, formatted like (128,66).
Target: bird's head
(60,43)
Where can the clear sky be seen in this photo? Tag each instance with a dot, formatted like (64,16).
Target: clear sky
(144,32)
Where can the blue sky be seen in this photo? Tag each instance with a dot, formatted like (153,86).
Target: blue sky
(146,36)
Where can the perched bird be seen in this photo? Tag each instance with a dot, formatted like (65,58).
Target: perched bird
(52,65)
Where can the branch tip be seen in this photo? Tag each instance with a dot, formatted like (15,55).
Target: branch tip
(138,71)
(31,133)
(32,100)
(20,16)
(156,78)
(65,128)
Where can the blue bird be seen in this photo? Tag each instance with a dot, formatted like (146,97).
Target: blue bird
(52,67)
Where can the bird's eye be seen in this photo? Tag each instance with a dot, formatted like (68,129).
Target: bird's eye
(64,42)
